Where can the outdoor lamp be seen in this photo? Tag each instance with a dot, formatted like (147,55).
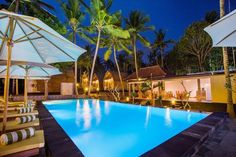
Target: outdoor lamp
(173,102)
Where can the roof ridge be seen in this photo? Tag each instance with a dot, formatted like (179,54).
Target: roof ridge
(150,66)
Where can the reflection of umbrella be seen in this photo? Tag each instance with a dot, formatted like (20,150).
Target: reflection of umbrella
(28,70)
(223,31)
(25,38)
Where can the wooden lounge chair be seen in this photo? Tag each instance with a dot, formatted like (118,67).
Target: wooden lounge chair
(15,108)
(13,125)
(15,114)
(28,147)
(14,103)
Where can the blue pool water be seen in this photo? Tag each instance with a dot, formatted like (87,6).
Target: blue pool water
(108,129)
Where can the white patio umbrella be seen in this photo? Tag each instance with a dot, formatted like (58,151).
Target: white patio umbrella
(25,38)
(28,70)
(223,31)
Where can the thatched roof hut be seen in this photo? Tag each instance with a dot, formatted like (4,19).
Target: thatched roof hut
(151,72)
(111,80)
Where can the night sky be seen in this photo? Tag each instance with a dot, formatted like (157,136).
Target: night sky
(174,16)
(171,15)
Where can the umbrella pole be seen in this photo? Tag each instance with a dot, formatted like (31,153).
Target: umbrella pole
(17,87)
(76,67)
(45,89)
(6,84)
(26,88)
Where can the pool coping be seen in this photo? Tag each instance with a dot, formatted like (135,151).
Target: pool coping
(188,142)
(57,142)
(185,143)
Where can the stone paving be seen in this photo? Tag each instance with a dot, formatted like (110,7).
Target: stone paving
(222,143)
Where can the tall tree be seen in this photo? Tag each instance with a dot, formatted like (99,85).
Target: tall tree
(160,44)
(196,42)
(136,23)
(27,7)
(101,22)
(85,60)
(230,105)
(211,17)
(116,44)
(74,16)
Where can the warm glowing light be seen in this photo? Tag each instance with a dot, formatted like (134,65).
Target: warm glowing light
(139,79)
(173,102)
(127,99)
(86,89)
(77,84)
(97,89)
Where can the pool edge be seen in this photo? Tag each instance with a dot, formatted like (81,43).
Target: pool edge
(185,143)
(189,141)
(58,143)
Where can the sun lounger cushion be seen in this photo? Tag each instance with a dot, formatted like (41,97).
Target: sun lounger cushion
(25,119)
(15,136)
(30,103)
(25,110)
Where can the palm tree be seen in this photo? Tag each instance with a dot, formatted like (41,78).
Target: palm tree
(136,23)
(230,106)
(101,21)
(74,16)
(85,60)
(160,43)
(116,44)
(27,7)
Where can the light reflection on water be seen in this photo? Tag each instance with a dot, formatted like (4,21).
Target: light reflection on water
(86,114)
(107,107)
(77,113)
(147,117)
(168,117)
(97,112)
(103,129)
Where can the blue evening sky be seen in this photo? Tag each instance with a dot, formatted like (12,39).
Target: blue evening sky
(171,15)
(174,16)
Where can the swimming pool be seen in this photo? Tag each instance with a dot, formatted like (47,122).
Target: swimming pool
(104,129)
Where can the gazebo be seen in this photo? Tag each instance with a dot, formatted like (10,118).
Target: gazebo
(154,74)
(111,80)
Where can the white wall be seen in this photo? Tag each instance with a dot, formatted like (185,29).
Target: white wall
(190,85)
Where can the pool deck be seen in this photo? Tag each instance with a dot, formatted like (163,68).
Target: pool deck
(221,143)
(186,143)
(57,142)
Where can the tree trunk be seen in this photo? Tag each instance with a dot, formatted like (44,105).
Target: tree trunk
(76,66)
(94,61)
(200,64)
(118,69)
(135,56)
(230,106)
(162,58)
(17,6)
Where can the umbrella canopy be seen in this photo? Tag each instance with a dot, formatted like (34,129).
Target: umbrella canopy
(25,38)
(28,70)
(223,31)
(33,40)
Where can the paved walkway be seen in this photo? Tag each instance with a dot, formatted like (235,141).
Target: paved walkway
(222,143)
